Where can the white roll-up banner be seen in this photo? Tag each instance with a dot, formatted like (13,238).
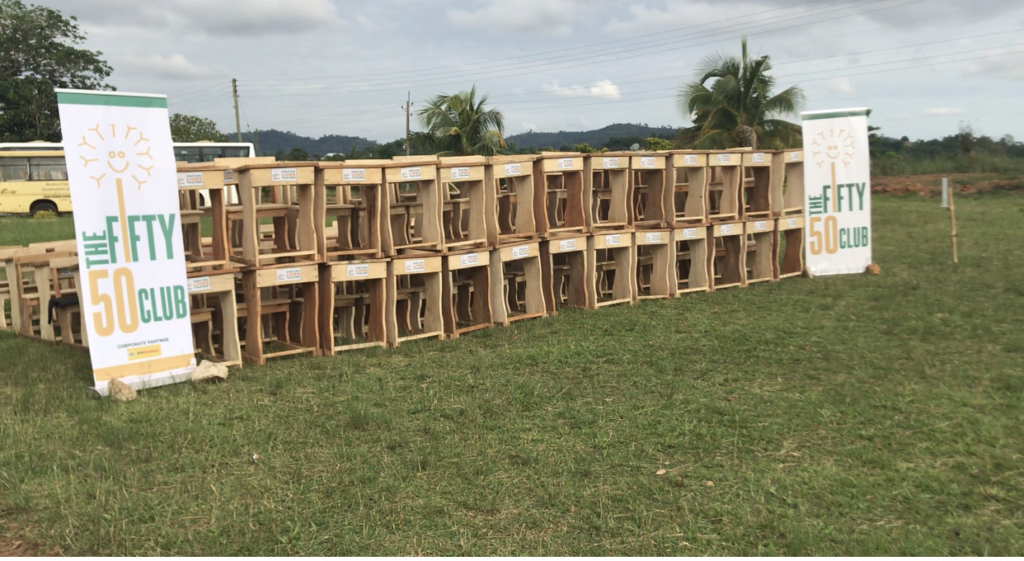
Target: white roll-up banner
(123,182)
(837,191)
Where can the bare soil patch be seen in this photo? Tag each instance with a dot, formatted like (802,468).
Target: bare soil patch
(13,546)
(931,185)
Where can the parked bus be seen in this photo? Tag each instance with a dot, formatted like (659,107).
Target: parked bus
(34,177)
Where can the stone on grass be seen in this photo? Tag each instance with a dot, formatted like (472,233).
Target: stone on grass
(121,391)
(873,269)
(209,371)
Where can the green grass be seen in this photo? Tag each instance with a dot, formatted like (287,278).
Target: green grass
(1007,167)
(836,416)
(22,230)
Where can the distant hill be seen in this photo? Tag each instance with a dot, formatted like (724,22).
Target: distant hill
(271,141)
(618,136)
(624,132)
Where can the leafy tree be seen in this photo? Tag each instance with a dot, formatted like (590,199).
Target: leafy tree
(622,142)
(966,137)
(731,104)
(296,155)
(38,52)
(889,163)
(459,125)
(334,158)
(189,128)
(655,143)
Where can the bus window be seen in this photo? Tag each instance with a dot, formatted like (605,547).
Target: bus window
(209,154)
(190,155)
(13,169)
(48,169)
(232,152)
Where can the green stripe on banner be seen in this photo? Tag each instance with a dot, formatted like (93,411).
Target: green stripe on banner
(835,115)
(111,100)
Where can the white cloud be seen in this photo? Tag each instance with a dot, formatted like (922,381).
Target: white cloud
(223,17)
(677,14)
(840,86)
(175,66)
(546,17)
(1007,64)
(942,111)
(604,88)
(366,23)
(258,17)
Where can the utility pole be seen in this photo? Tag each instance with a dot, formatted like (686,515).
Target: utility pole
(234,95)
(256,141)
(408,106)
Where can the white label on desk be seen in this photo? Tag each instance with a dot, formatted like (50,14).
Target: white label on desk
(613,239)
(758,157)
(609,163)
(794,156)
(354,174)
(520,251)
(564,163)
(198,284)
(689,233)
(229,176)
(647,161)
(760,226)
(690,160)
(513,169)
(792,222)
(460,173)
(727,229)
(357,271)
(190,179)
(283,174)
(470,259)
(415,265)
(288,275)
(653,237)
(412,173)
(724,158)
(566,245)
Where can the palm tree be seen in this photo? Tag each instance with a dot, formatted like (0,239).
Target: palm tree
(731,104)
(458,125)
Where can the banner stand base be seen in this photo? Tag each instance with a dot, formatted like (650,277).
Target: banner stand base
(150,380)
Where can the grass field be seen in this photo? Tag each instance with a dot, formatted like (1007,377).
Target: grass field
(835,416)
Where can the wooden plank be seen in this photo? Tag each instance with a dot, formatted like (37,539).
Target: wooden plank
(555,162)
(759,158)
(521,251)
(612,241)
(287,274)
(416,265)
(688,158)
(358,270)
(790,223)
(648,161)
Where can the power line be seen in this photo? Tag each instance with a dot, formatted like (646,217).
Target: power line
(635,81)
(603,44)
(371,106)
(526,70)
(843,74)
(571,98)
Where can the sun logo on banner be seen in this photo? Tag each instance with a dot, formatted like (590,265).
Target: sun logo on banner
(833,148)
(124,155)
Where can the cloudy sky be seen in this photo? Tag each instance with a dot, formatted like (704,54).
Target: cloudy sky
(319,67)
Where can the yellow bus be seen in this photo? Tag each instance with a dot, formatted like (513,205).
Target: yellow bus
(34,178)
